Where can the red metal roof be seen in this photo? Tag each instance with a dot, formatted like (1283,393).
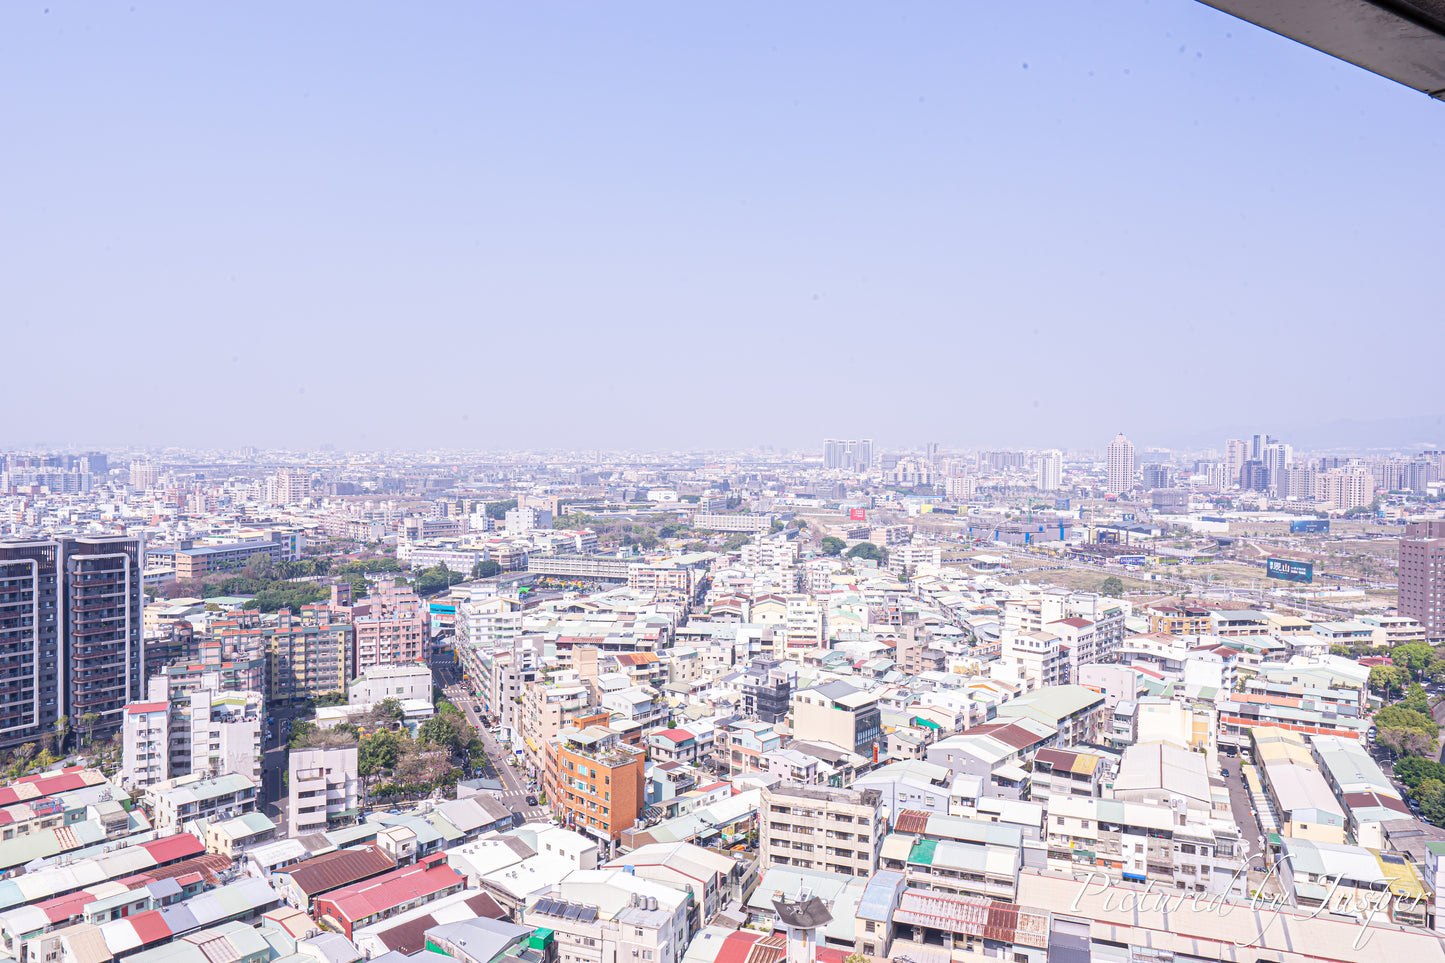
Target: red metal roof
(675,735)
(736,947)
(65,781)
(360,900)
(172,848)
(1075,622)
(1364,800)
(205,866)
(150,926)
(910,821)
(63,908)
(142,707)
(334,870)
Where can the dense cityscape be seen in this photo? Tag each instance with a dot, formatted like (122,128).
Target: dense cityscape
(855,703)
(722,483)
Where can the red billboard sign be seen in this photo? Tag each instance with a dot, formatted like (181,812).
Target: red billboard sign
(858,514)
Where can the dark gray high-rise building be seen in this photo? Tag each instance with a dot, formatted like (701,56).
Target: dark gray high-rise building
(70,633)
(1421,592)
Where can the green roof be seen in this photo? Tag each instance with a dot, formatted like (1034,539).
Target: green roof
(922,852)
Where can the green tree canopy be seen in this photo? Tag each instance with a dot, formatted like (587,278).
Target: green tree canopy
(867,551)
(1416,657)
(486,569)
(833,545)
(1387,678)
(378,752)
(1416,700)
(498,510)
(735,541)
(389,709)
(1431,795)
(1113,587)
(435,579)
(301,732)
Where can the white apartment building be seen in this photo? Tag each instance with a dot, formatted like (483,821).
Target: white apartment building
(827,830)
(217,732)
(323,789)
(521,520)
(1120,469)
(1037,656)
(1144,842)
(203,732)
(1049,470)
(1345,488)
(606,916)
(399,682)
(145,745)
(175,802)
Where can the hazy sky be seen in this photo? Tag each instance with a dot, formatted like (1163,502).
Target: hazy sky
(693,224)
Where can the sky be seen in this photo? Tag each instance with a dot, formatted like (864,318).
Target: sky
(693,225)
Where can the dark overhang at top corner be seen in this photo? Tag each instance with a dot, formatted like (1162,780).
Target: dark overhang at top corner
(1403,40)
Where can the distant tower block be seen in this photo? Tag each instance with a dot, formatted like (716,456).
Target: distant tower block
(803,918)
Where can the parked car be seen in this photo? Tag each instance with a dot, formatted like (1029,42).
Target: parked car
(531,800)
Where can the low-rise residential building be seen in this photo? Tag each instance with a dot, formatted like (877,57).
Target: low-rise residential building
(178,801)
(391,893)
(829,830)
(323,789)
(402,682)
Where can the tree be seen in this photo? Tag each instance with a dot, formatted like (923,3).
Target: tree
(498,510)
(1400,717)
(1113,587)
(1386,678)
(331,699)
(1406,742)
(301,733)
(87,725)
(735,541)
(868,552)
(441,730)
(388,709)
(258,566)
(1431,796)
(1416,700)
(435,579)
(378,753)
(1416,657)
(486,569)
(833,545)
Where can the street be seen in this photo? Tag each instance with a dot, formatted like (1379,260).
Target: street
(273,765)
(1243,809)
(514,789)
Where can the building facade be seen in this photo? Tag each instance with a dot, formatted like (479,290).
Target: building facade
(1422,577)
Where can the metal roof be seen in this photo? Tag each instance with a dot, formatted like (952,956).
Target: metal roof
(1403,40)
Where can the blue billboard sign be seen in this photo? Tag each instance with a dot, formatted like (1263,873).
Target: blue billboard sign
(1289,570)
(1310,526)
